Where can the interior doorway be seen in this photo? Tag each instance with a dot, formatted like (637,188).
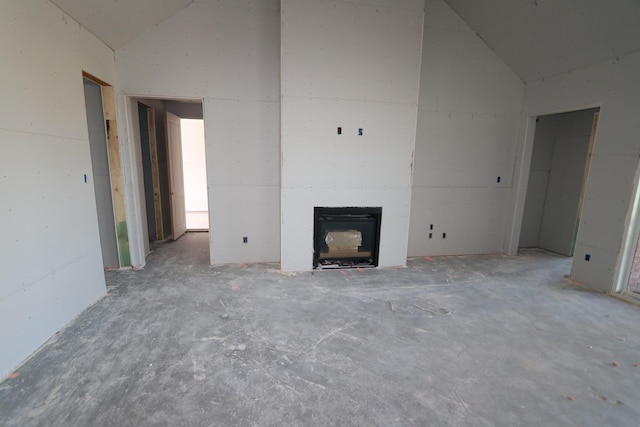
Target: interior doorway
(560,162)
(172,178)
(101,175)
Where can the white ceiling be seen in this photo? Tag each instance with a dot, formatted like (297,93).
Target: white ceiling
(536,38)
(117,22)
(539,38)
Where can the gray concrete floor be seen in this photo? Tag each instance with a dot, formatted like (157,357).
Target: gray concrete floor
(184,343)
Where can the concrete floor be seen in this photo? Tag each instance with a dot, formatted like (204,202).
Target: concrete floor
(183,343)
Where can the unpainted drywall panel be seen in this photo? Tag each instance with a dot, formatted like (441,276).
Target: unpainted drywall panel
(206,50)
(118,22)
(314,155)
(41,45)
(96,57)
(50,216)
(547,129)
(598,272)
(472,218)
(613,85)
(464,149)
(437,14)
(602,218)
(185,110)
(468,126)
(244,211)
(297,222)
(243,142)
(535,39)
(253,4)
(463,75)
(533,208)
(50,255)
(559,219)
(353,66)
(350,50)
(34,313)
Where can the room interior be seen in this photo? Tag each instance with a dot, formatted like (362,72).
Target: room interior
(449,117)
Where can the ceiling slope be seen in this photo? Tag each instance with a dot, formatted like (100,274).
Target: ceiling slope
(536,38)
(539,38)
(117,22)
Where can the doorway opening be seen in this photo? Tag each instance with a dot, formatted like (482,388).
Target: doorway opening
(560,162)
(107,172)
(170,148)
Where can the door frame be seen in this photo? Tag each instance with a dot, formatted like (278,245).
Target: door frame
(628,246)
(115,169)
(127,103)
(155,173)
(523,168)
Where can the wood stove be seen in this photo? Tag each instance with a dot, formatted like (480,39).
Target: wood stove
(346,237)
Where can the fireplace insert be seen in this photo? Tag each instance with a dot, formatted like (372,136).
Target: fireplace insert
(346,237)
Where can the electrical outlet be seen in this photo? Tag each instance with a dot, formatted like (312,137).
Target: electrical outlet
(245,240)
(587,257)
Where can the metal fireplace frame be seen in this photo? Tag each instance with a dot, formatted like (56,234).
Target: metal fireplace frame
(357,215)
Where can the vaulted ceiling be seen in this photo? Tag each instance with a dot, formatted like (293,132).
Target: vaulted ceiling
(117,22)
(539,38)
(536,38)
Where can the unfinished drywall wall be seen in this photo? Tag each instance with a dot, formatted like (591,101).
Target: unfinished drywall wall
(555,181)
(185,110)
(545,131)
(50,257)
(227,54)
(353,65)
(468,120)
(613,86)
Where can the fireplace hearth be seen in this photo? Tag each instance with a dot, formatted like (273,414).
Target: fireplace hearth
(346,237)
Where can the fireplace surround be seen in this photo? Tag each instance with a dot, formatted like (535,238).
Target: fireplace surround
(346,237)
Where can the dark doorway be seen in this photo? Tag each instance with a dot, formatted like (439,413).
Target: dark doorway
(557,180)
(101,174)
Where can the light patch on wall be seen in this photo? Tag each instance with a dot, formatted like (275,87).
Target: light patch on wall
(195,174)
